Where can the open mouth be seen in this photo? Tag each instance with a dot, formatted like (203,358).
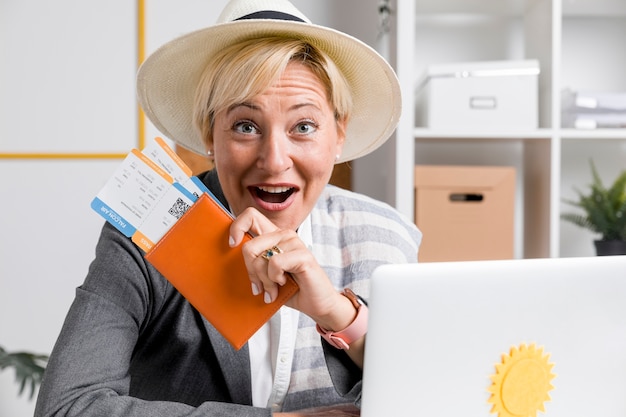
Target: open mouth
(274,194)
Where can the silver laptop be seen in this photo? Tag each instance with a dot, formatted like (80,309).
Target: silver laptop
(497,338)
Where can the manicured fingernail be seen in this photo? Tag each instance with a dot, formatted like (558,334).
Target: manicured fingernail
(231,241)
(267,298)
(255,289)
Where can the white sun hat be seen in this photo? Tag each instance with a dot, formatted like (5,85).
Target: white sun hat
(167,80)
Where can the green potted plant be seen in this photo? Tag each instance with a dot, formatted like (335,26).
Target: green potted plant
(603,212)
(28,368)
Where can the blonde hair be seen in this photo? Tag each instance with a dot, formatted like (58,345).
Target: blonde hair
(244,70)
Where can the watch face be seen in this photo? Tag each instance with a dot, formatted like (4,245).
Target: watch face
(355,299)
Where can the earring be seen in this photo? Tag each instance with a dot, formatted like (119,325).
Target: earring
(337,157)
(209,152)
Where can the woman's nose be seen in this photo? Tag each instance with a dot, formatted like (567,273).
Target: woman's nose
(274,154)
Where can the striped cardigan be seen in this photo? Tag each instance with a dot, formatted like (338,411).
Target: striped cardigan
(352,234)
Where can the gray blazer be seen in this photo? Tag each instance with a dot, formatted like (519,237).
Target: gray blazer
(131,345)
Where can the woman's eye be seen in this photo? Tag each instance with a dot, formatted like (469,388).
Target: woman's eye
(305,127)
(245,127)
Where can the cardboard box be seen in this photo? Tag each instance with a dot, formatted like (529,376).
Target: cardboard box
(492,95)
(465,212)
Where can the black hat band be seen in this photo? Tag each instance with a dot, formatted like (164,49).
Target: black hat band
(270,14)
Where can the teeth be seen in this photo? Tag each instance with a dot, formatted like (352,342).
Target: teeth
(275,190)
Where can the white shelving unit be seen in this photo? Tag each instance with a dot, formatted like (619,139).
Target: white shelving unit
(578,43)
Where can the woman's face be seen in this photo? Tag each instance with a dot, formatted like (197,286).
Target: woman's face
(276,152)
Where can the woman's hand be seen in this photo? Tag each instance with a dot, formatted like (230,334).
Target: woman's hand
(316,297)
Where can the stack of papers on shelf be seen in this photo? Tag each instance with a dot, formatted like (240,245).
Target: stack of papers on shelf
(593,110)
(184,230)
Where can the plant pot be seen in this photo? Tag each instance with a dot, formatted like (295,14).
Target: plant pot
(610,247)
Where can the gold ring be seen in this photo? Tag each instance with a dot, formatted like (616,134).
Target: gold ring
(268,253)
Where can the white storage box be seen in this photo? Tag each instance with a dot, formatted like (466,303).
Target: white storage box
(494,95)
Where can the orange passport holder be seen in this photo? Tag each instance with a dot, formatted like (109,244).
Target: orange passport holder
(194,256)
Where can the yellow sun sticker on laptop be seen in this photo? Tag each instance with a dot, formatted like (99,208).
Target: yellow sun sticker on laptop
(521,383)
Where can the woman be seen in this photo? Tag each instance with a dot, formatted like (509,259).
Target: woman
(276,102)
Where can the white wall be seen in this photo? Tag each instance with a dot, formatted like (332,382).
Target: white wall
(66,83)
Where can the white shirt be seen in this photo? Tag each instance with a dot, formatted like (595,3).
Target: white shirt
(272,346)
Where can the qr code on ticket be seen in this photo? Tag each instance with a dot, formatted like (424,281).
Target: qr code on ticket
(178,208)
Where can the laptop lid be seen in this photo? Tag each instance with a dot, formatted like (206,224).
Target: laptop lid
(512,338)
